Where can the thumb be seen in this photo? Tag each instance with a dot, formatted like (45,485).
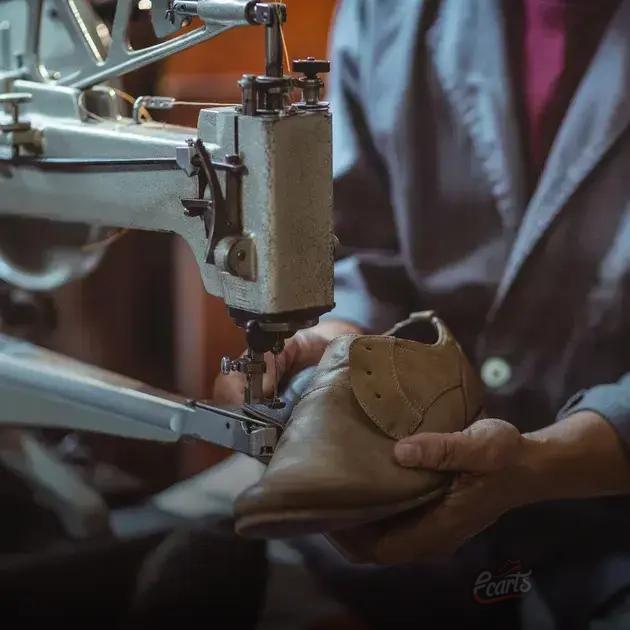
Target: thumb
(485,446)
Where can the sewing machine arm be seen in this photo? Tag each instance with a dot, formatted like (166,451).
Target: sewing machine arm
(43,389)
(249,189)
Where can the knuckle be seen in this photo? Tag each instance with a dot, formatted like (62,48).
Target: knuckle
(445,453)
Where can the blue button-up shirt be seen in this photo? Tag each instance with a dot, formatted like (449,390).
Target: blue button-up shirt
(434,212)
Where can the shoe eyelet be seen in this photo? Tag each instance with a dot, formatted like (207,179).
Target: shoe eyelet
(368,372)
(377,395)
(369,348)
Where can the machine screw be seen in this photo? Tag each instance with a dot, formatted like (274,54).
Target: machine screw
(310,83)
(233,159)
(246,365)
(226,366)
(311,67)
(249,96)
(14,100)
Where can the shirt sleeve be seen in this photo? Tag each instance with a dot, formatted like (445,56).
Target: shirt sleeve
(611,401)
(372,287)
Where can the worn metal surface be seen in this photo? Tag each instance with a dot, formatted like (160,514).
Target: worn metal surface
(250,191)
(286,196)
(145,199)
(286,201)
(99,57)
(44,389)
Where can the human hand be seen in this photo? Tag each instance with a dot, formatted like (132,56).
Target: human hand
(482,457)
(488,460)
(496,469)
(302,350)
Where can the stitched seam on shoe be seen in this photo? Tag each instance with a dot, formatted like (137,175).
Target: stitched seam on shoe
(320,387)
(416,412)
(398,389)
(421,410)
(364,406)
(446,390)
(435,398)
(427,346)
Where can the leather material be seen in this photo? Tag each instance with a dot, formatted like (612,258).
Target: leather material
(333,467)
(384,377)
(385,542)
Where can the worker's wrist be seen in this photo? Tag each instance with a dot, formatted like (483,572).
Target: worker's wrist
(579,457)
(532,472)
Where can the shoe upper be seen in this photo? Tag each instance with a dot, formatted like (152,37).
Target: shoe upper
(336,453)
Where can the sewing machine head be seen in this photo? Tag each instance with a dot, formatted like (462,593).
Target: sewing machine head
(250,189)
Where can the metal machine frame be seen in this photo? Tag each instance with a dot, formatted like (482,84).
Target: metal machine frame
(250,190)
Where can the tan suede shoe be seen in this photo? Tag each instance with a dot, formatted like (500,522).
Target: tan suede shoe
(333,467)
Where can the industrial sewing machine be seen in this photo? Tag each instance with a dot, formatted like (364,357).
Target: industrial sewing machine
(250,190)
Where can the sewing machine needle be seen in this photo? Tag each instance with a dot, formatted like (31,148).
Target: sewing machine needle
(275,376)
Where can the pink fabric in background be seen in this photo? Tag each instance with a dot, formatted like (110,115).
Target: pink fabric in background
(559,40)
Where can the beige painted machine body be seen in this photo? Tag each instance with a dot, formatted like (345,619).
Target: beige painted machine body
(249,190)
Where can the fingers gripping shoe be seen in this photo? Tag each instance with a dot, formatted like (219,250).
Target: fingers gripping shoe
(333,467)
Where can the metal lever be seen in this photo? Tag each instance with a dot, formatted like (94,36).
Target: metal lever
(171,15)
(96,65)
(44,389)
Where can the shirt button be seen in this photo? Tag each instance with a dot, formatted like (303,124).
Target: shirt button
(496,372)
